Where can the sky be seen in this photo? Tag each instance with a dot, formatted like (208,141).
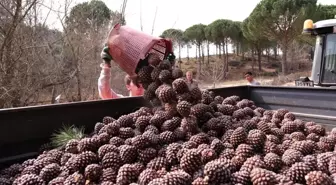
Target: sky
(179,14)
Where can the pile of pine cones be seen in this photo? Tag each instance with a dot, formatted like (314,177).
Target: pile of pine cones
(189,137)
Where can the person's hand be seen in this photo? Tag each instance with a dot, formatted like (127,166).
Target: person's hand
(171,58)
(105,55)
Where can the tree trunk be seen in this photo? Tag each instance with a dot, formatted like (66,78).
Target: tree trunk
(8,36)
(16,101)
(216,49)
(268,55)
(259,59)
(219,51)
(224,58)
(188,53)
(275,52)
(196,52)
(292,57)
(208,51)
(53,95)
(227,55)
(278,50)
(284,59)
(237,49)
(78,77)
(203,54)
(79,86)
(179,52)
(199,63)
(253,59)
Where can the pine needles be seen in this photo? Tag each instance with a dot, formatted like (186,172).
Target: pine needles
(60,138)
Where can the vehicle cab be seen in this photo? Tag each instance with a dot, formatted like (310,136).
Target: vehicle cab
(324,62)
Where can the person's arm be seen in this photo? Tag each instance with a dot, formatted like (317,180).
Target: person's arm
(104,83)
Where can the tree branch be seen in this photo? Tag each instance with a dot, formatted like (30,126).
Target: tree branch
(7,10)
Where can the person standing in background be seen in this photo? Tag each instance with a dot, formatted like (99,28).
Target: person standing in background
(190,81)
(250,79)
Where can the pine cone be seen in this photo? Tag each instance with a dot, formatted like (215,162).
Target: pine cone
(180,86)
(291,156)
(256,139)
(318,178)
(297,172)
(171,153)
(128,154)
(273,162)
(158,163)
(323,160)
(241,177)
(75,179)
(147,175)
(146,155)
(190,161)
(261,176)
(30,179)
(126,174)
(238,136)
(184,108)
(289,127)
(244,150)
(251,163)
(167,94)
(111,160)
(109,174)
(93,172)
(178,177)
(217,171)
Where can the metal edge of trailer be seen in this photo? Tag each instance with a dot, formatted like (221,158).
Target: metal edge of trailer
(25,129)
(307,103)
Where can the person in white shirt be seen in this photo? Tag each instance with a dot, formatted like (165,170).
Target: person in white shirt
(190,81)
(133,85)
(250,79)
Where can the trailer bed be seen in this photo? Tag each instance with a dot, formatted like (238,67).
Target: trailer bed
(24,130)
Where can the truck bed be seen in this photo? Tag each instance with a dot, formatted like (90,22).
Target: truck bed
(24,130)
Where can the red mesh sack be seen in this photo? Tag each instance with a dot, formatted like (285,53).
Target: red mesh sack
(128,46)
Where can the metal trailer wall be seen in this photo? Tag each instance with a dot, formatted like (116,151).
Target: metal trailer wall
(24,130)
(309,104)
